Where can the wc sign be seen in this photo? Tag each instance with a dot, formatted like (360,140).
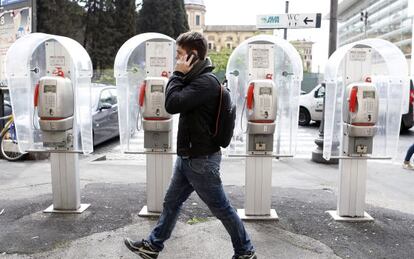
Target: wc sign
(288,21)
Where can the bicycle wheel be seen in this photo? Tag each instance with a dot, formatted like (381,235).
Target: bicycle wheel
(9,147)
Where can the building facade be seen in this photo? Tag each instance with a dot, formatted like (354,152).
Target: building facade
(385,19)
(196,11)
(305,51)
(229,36)
(221,37)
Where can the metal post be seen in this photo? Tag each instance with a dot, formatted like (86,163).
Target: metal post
(412,48)
(333,25)
(286,11)
(34,15)
(317,154)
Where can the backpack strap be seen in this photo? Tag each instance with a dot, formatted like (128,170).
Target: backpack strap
(220,101)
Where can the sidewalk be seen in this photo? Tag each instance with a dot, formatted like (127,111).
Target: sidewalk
(302,192)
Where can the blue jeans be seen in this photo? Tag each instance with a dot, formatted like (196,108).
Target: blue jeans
(410,153)
(202,175)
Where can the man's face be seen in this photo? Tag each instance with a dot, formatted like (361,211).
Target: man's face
(181,53)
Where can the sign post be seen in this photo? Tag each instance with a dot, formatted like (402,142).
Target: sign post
(288,21)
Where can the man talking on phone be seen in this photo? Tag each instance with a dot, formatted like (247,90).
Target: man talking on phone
(193,92)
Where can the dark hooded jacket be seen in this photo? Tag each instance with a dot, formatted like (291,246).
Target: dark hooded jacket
(195,97)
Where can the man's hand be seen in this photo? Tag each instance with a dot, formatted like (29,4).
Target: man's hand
(183,65)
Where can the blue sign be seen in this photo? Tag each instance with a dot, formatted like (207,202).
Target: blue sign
(7,2)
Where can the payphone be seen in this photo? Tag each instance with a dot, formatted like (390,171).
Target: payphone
(55,102)
(261,98)
(360,115)
(156,121)
(261,104)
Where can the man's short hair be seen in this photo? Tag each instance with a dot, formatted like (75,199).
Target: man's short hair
(193,41)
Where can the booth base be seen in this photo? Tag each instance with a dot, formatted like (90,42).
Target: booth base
(145,213)
(336,217)
(81,209)
(271,216)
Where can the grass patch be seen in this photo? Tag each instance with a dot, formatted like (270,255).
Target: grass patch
(196,220)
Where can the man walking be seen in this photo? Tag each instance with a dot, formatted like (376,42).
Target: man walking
(193,92)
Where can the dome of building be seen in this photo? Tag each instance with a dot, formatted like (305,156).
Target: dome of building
(194,2)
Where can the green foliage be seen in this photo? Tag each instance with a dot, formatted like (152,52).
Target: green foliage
(163,16)
(106,77)
(220,60)
(102,26)
(60,17)
(195,220)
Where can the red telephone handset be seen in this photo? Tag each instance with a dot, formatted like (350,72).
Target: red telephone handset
(353,99)
(250,92)
(142,94)
(36,95)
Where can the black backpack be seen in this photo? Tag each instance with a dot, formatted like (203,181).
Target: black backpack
(226,117)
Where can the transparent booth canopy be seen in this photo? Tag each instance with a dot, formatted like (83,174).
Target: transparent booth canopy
(271,58)
(147,57)
(37,56)
(383,65)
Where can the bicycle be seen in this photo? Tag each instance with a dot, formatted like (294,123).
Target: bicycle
(8,145)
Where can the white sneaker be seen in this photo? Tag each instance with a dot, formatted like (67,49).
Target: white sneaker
(408,165)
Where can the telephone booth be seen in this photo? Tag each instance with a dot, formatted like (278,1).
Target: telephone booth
(264,76)
(367,90)
(49,78)
(142,67)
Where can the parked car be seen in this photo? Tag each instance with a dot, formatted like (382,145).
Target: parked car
(407,120)
(7,110)
(311,105)
(104,113)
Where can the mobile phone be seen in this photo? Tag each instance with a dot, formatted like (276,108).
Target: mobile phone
(195,57)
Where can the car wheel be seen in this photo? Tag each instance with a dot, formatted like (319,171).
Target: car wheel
(304,117)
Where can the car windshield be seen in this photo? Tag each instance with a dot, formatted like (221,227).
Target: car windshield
(96,90)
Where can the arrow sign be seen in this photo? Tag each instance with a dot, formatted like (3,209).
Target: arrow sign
(288,21)
(306,20)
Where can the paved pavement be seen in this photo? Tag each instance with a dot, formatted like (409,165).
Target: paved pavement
(302,192)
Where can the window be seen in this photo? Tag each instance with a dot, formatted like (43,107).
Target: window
(198,20)
(211,38)
(228,45)
(320,92)
(229,38)
(106,97)
(210,46)
(114,96)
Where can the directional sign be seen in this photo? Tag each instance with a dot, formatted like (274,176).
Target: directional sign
(288,21)
(7,2)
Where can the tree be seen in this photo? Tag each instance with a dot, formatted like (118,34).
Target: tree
(219,60)
(60,17)
(125,17)
(101,26)
(180,21)
(100,34)
(163,16)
